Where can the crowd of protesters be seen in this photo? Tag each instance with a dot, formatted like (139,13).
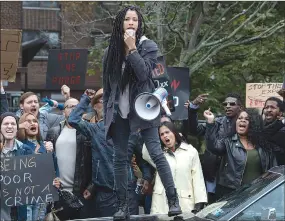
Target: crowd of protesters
(153,167)
(239,147)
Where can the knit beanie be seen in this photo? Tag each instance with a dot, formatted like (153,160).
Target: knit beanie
(9,114)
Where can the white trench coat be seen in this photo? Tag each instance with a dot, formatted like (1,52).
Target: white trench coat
(188,178)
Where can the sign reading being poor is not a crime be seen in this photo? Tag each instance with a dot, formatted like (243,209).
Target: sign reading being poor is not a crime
(27,180)
(66,66)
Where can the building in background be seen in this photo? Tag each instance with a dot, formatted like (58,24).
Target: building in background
(42,19)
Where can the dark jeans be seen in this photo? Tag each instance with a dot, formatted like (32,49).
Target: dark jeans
(105,204)
(133,198)
(221,191)
(87,210)
(120,131)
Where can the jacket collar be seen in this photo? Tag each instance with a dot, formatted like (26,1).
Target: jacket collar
(42,148)
(143,38)
(235,137)
(17,145)
(183,146)
(62,124)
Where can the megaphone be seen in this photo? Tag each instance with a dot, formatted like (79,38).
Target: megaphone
(148,105)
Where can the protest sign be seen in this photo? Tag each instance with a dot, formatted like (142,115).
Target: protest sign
(10,49)
(180,84)
(66,66)
(161,79)
(258,93)
(27,180)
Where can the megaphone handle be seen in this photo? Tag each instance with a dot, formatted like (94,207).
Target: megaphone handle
(165,107)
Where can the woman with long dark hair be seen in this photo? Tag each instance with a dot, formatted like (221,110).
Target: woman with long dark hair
(245,154)
(186,169)
(32,138)
(127,71)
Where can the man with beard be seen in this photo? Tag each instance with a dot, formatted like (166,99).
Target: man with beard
(224,126)
(274,128)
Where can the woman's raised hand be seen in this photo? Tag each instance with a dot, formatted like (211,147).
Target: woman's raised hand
(209,116)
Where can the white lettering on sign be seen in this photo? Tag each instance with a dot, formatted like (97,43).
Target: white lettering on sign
(176,101)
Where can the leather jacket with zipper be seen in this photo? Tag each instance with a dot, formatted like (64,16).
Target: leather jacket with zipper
(234,157)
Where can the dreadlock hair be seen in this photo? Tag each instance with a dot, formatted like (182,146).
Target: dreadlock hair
(116,50)
(235,95)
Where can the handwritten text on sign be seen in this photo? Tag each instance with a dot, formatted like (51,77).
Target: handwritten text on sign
(67,66)
(10,48)
(27,180)
(258,93)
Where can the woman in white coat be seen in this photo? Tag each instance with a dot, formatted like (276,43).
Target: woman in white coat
(186,170)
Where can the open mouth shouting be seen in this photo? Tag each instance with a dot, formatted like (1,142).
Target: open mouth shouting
(33,110)
(242,128)
(167,141)
(33,130)
(269,117)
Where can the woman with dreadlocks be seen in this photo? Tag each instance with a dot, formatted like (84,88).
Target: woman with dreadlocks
(127,71)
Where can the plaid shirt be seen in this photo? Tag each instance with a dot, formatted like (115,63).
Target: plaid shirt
(9,152)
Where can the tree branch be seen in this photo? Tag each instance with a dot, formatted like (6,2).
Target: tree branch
(175,31)
(197,27)
(213,51)
(217,21)
(273,4)
(237,29)
(203,44)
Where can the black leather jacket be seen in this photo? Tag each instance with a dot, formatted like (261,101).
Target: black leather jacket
(275,133)
(223,126)
(83,164)
(143,62)
(234,157)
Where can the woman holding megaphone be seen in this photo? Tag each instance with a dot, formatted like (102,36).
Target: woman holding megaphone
(128,63)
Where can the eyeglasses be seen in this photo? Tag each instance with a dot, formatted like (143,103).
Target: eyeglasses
(70,107)
(230,103)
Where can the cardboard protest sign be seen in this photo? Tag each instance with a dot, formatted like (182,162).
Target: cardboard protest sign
(258,93)
(10,48)
(27,180)
(66,66)
(180,85)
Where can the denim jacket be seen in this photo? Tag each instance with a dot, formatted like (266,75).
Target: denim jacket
(42,150)
(102,150)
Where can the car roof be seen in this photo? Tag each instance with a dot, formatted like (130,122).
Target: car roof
(277,177)
(278,169)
